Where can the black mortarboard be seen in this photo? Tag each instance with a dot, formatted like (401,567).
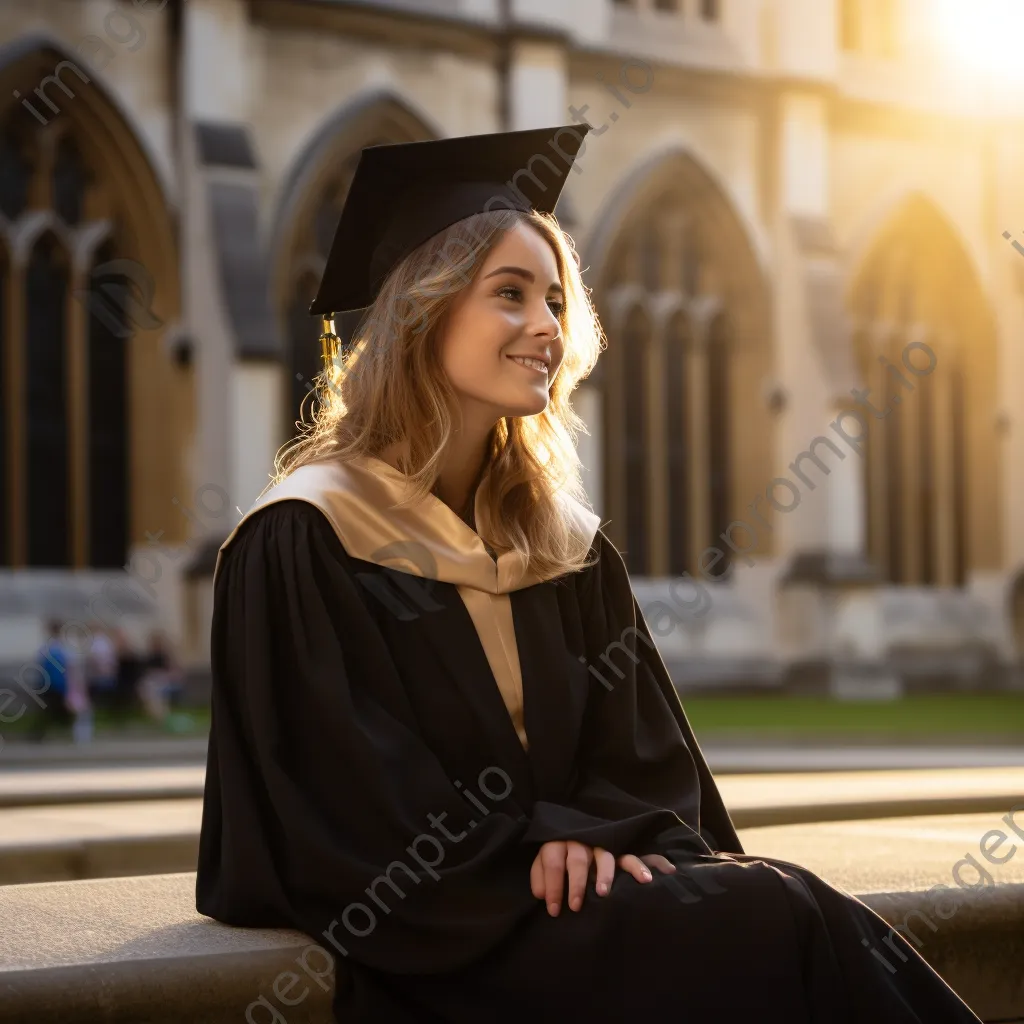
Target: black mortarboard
(403,194)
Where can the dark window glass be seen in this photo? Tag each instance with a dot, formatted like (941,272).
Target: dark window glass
(719,455)
(894,459)
(677,444)
(5,497)
(107,385)
(635,343)
(47,407)
(691,263)
(926,493)
(70,181)
(15,173)
(959,417)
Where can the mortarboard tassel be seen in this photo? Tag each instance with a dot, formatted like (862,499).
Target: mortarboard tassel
(329,342)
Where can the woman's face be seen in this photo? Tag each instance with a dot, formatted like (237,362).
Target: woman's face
(510,309)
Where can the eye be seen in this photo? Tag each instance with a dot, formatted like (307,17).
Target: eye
(556,306)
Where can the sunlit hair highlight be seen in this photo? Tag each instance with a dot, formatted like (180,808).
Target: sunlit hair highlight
(391,389)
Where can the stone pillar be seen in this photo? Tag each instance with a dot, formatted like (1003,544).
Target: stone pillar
(239,372)
(538,83)
(226,295)
(827,606)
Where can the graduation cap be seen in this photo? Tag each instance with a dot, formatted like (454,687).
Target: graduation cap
(403,194)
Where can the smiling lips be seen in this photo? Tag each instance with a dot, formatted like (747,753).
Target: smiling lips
(537,365)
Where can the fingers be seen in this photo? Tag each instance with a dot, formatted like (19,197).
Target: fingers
(577,863)
(537,875)
(604,864)
(636,867)
(556,859)
(552,857)
(663,864)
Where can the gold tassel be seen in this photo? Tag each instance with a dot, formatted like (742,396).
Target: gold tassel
(329,344)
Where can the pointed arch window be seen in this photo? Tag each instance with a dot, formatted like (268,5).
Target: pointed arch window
(63,386)
(687,430)
(932,513)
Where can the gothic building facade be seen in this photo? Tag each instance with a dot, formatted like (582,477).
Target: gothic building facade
(796,223)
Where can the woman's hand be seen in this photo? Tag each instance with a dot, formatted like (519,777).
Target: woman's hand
(555,859)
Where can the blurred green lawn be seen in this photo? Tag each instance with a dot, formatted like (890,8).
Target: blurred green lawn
(920,716)
(953,717)
(184,722)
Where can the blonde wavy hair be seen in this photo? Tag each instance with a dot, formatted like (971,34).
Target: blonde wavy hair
(390,388)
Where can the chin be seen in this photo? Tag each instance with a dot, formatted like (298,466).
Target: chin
(526,407)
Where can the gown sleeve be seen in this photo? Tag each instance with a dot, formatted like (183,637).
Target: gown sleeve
(323,807)
(644,783)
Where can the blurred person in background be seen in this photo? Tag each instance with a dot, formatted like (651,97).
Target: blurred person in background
(53,659)
(77,699)
(101,672)
(129,670)
(161,677)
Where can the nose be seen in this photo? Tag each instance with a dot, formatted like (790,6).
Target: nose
(547,324)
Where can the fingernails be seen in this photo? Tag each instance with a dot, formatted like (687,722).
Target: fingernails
(553,909)
(576,903)
(647,874)
(602,888)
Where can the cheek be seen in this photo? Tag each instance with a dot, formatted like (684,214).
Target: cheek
(477,346)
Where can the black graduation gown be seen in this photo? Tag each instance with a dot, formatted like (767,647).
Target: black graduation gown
(366,786)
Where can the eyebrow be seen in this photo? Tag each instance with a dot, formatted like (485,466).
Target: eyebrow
(521,272)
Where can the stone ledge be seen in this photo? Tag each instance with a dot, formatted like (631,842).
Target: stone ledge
(97,857)
(126,950)
(76,857)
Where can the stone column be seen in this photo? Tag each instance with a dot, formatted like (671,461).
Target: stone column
(827,604)
(239,353)
(226,295)
(538,82)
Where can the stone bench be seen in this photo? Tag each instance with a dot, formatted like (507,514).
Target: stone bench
(121,950)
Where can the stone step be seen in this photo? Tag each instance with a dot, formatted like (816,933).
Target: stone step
(725,753)
(874,791)
(99,784)
(47,842)
(131,749)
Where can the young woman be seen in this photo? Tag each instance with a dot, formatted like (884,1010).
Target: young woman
(444,744)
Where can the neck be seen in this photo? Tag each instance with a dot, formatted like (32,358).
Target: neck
(461,465)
